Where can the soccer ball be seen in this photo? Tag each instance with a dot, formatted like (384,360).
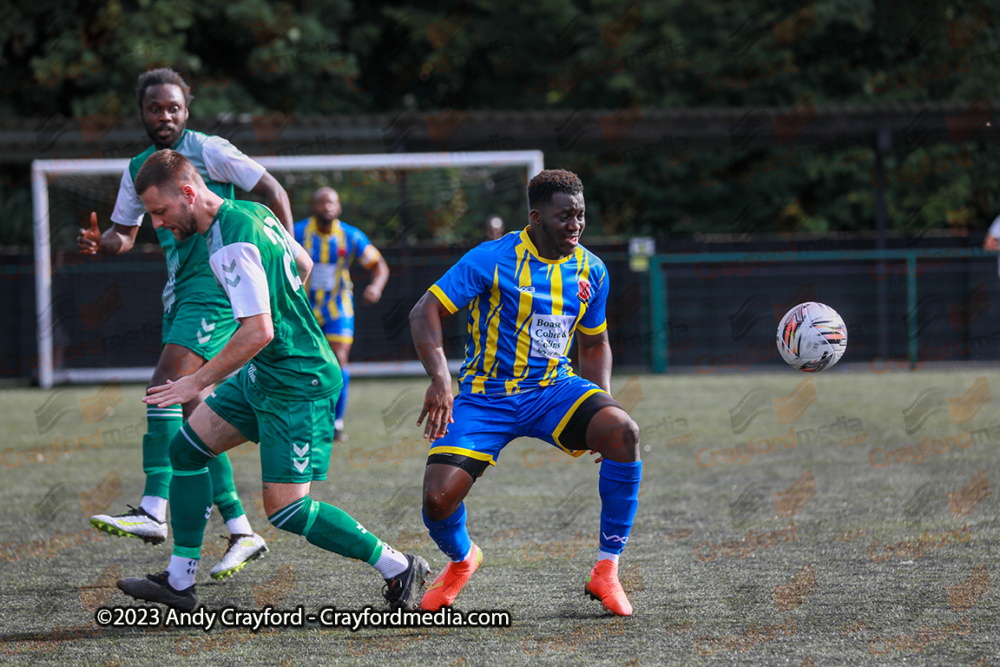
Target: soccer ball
(811,337)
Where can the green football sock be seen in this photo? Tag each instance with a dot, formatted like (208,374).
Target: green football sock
(190,492)
(224,489)
(329,528)
(161,426)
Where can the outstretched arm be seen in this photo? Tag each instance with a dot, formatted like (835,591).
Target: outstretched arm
(270,189)
(116,240)
(425,326)
(595,359)
(254,334)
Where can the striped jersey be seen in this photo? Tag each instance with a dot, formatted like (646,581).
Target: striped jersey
(524,311)
(330,287)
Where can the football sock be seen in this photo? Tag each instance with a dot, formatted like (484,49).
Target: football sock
(606,555)
(451,535)
(161,426)
(224,489)
(329,528)
(390,562)
(181,572)
(341,408)
(618,486)
(155,506)
(239,526)
(190,492)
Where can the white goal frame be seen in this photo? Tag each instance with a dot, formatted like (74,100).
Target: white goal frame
(43,170)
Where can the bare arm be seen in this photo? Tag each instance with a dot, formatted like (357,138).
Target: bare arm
(116,240)
(380,276)
(277,199)
(303,262)
(595,359)
(425,326)
(991,243)
(254,334)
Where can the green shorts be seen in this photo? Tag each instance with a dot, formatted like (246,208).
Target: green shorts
(296,437)
(201,329)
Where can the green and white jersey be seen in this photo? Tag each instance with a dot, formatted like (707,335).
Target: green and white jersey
(221,165)
(250,254)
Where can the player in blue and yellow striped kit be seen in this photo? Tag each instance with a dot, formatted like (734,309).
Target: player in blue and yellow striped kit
(530,294)
(333,247)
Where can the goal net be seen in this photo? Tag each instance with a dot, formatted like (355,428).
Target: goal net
(100,318)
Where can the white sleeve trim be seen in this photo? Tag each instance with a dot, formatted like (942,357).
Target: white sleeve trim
(995,228)
(129,209)
(239,270)
(227,164)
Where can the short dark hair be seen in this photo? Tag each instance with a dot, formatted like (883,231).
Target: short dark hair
(550,181)
(164,167)
(158,77)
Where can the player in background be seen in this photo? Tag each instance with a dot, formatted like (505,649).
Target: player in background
(334,246)
(282,395)
(197,318)
(992,240)
(493,228)
(529,295)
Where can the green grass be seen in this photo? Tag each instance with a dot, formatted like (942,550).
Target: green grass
(536,518)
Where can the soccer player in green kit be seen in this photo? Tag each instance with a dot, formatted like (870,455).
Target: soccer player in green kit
(283,395)
(197,319)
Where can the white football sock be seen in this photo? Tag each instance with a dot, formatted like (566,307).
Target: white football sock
(391,563)
(156,506)
(181,572)
(605,555)
(240,525)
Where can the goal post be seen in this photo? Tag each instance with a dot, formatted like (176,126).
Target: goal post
(89,184)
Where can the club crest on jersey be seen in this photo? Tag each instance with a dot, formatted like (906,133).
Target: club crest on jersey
(584,293)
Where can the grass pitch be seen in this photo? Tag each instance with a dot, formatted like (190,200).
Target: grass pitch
(843,518)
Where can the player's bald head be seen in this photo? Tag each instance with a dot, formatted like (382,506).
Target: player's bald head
(326,205)
(167,170)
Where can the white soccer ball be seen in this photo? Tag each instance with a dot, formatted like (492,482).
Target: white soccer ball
(811,337)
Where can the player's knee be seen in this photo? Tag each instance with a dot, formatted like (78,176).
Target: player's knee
(184,455)
(293,517)
(630,437)
(440,499)
(615,435)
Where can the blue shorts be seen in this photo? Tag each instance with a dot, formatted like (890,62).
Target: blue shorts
(486,424)
(340,329)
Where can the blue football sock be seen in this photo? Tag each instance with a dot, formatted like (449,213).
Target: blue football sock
(451,535)
(619,489)
(341,408)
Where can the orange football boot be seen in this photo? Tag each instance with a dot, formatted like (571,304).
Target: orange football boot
(446,587)
(603,585)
